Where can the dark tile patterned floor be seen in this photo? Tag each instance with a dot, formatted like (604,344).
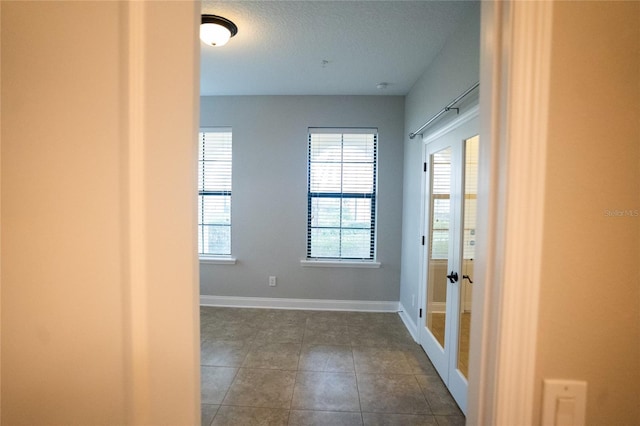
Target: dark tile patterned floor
(288,367)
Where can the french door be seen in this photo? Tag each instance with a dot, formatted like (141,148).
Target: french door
(449,212)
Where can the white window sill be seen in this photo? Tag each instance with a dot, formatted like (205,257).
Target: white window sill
(212,260)
(339,263)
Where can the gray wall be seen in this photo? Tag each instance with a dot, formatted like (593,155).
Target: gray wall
(454,70)
(269,207)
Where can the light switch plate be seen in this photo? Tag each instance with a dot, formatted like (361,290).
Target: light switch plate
(564,402)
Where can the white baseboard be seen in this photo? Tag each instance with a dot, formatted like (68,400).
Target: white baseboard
(310,304)
(408,322)
(438,307)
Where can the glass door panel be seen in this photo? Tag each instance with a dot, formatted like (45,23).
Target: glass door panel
(449,251)
(439,238)
(468,250)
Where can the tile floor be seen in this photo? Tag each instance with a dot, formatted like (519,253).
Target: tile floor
(286,367)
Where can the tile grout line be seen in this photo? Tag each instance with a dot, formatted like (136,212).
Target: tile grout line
(357,388)
(235,376)
(295,379)
(355,373)
(424,395)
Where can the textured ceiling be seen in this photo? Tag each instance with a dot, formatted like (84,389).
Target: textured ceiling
(281,45)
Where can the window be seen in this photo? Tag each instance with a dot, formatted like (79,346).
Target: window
(341,194)
(214,192)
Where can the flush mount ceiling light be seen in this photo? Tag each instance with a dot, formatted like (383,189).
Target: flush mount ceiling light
(216,30)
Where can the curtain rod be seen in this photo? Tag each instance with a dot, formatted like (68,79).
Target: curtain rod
(443,110)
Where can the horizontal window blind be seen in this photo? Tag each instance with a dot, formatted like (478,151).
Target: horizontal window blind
(440,203)
(342,194)
(214,191)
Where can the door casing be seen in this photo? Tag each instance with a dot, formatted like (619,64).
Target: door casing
(515,51)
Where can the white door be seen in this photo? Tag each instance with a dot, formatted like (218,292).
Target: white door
(450,157)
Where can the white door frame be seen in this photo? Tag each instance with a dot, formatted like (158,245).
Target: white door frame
(514,81)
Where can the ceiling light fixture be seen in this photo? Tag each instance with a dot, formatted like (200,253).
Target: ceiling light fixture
(216,30)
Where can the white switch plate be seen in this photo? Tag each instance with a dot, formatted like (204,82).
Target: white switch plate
(272,281)
(564,402)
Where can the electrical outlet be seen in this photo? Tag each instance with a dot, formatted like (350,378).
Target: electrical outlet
(272,281)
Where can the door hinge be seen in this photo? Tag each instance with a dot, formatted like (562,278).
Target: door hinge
(423,240)
(420,312)
(424,166)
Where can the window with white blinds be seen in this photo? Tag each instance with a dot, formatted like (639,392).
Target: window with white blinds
(214,192)
(342,167)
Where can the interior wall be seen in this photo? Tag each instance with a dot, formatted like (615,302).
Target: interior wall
(455,69)
(269,207)
(62,313)
(589,322)
(69,313)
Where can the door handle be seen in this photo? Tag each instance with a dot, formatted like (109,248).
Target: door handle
(467,277)
(453,277)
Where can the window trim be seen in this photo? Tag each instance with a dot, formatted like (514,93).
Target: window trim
(217,260)
(209,257)
(370,262)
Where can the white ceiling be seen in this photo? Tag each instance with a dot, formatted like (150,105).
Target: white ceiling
(281,45)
